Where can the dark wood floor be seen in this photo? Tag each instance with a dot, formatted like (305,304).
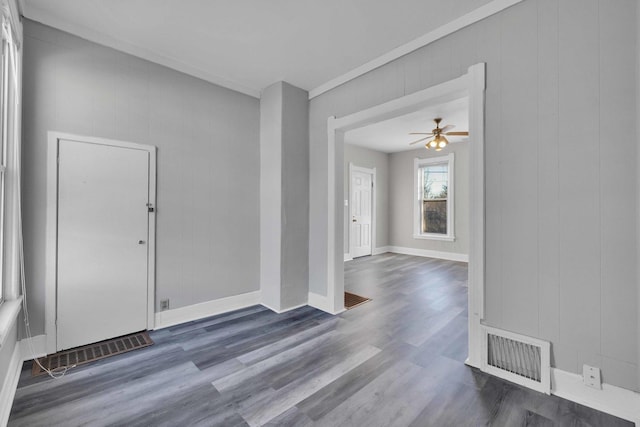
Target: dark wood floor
(394,361)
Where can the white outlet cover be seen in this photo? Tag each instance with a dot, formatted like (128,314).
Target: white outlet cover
(591,377)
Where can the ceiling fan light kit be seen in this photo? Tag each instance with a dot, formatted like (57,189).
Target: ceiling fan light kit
(439,140)
(438,143)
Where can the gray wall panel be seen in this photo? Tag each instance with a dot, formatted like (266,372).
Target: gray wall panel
(548,194)
(616,209)
(519,163)
(579,216)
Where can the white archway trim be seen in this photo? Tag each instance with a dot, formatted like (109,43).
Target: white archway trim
(471,85)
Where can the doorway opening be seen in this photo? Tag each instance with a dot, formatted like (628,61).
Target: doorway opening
(423,211)
(361,206)
(471,86)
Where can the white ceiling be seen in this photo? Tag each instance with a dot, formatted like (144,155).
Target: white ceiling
(391,136)
(249,44)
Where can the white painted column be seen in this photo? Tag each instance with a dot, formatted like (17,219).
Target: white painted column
(284,196)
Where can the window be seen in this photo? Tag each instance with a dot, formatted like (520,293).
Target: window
(8,133)
(433,207)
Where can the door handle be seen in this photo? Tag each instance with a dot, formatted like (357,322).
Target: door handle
(354,220)
(141,242)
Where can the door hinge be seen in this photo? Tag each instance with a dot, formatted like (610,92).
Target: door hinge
(150,207)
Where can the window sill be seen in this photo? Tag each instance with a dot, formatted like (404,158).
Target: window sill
(9,311)
(434,237)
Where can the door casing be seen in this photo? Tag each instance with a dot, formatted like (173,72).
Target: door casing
(52,232)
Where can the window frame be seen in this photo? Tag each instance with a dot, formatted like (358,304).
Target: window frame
(4,143)
(10,114)
(418,165)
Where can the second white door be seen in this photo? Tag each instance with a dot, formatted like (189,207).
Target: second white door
(361,213)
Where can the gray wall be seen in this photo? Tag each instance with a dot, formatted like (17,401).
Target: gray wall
(560,194)
(270,195)
(295,196)
(367,158)
(401,199)
(208,160)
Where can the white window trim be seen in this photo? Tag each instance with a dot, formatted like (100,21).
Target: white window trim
(11,298)
(417,164)
(8,317)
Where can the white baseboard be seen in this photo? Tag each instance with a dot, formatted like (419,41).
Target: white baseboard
(319,301)
(322,303)
(167,318)
(381,250)
(375,251)
(450,256)
(33,347)
(9,385)
(284,310)
(613,400)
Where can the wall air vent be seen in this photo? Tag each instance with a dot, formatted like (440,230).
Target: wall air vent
(517,358)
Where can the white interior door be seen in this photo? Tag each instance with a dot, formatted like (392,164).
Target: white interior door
(361,203)
(102,258)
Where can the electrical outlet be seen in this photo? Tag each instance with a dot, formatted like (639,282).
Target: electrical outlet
(164,304)
(591,377)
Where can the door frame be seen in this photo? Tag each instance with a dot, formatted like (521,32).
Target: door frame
(374,190)
(472,85)
(51,239)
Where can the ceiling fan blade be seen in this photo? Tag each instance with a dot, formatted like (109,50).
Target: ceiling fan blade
(421,133)
(446,128)
(458,133)
(421,139)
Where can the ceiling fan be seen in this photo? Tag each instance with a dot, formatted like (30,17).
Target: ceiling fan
(438,134)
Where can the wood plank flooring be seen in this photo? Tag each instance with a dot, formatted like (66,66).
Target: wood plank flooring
(395,361)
